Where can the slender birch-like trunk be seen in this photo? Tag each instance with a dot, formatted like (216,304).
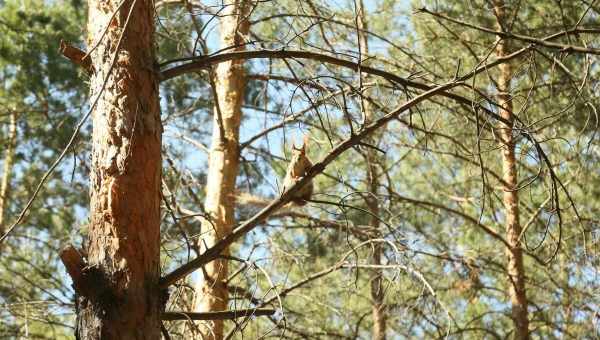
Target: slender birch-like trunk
(229,80)
(516,271)
(377,295)
(9,155)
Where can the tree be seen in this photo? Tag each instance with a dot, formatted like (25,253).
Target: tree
(514,252)
(229,89)
(372,201)
(117,280)
(9,155)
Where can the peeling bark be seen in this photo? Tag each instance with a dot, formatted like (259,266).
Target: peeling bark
(510,197)
(119,296)
(229,80)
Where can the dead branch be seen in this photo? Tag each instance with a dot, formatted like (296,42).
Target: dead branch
(76,56)
(220,315)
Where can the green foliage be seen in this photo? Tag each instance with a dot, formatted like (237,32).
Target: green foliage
(47,93)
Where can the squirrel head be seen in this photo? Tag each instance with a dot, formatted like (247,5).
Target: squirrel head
(299,161)
(302,148)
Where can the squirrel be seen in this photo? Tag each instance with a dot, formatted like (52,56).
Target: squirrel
(297,169)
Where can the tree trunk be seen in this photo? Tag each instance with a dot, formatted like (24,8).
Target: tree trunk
(223,164)
(8,165)
(377,294)
(514,254)
(118,295)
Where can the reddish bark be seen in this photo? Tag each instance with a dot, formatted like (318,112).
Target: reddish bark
(120,297)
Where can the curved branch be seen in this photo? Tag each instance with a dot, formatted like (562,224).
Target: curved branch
(204,62)
(194,64)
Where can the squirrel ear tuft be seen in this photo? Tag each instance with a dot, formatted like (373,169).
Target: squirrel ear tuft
(304,142)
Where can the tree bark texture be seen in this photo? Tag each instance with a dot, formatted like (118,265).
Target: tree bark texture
(377,290)
(119,298)
(229,81)
(514,253)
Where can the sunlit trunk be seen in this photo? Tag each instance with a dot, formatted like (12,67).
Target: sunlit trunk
(229,80)
(510,196)
(9,154)
(120,281)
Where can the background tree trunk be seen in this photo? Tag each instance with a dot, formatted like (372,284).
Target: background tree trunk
(514,254)
(123,246)
(9,154)
(377,293)
(229,80)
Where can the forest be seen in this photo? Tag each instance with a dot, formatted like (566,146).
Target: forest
(299,169)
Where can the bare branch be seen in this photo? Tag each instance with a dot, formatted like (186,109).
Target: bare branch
(220,315)
(77,56)
(525,38)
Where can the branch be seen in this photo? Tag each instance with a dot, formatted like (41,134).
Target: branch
(291,118)
(317,168)
(74,263)
(297,82)
(76,56)
(466,217)
(220,315)
(525,38)
(88,281)
(204,62)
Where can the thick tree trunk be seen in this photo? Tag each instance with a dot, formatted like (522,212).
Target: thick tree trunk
(9,154)
(118,295)
(514,254)
(229,81)
(377,294)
